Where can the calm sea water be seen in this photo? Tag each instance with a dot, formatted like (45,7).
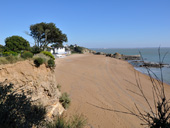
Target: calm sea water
(148,54)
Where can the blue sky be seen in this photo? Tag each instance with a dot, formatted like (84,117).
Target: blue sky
(92,23)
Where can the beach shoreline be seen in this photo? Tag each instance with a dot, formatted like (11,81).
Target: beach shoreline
(95,82)
(150,57)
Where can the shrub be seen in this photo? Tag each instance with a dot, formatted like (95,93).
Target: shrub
(3,60)
(26,55)
(51,63)
(8,53)
(44,57)
(59,87)
(65,100)
(60,122)
(76,121)
(48,54)
(38,62)
(12,59)
(2,48)
(35,49)
(78,49)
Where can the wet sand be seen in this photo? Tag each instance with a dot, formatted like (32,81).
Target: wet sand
(96,83)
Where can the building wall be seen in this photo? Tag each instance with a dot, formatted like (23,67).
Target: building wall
(52,51)
(59,50)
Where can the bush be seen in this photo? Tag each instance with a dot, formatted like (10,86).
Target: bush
(38,62)
(60,122)
(26,55)
(76,121)
(35,49)
(2,48)
(48,54)
(51,63)
(44,57)
(65,100)
(78,49)
(8,53)
(59,87)
(3,60)
(12,59)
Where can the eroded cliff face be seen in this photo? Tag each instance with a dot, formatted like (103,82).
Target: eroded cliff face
(38,83)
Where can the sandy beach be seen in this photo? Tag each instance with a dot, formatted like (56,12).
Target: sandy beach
(96,83)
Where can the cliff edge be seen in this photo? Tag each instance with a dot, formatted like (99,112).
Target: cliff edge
(38,83)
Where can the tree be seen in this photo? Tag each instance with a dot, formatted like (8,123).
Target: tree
(47,33)
(16,44)
(78,49)
(57,45)
(2,48)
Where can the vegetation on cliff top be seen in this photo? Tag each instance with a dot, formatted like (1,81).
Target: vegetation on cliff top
(16,44)
(16,109)
(47,33)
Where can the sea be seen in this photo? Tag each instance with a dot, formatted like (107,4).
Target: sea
(148,55)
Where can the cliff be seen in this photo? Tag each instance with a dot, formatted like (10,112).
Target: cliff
(38,83)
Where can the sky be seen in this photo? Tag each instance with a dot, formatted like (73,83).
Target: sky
(92,23)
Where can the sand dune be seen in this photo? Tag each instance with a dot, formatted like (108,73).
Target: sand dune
(96,82)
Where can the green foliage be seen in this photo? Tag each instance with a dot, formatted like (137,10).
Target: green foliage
(60,122)
(65,100)
(76,121)
(57,45)
(12,59)
(2,48)
(71,47)
(16,109)
(48,54)
(35,49)
(38,62)
(78,49)
(59,87)
(27,54)
(47,33)
(44,57)
(51,63)
(9,53)
(16,44)
(3,60)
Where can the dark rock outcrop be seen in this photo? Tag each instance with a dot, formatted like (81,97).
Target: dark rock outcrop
(131,57)
(154,65)
(100,53)
(117,56)
(148,64)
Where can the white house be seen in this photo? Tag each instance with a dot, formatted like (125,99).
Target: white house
(58,51)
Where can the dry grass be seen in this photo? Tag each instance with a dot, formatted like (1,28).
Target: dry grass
(10,59)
